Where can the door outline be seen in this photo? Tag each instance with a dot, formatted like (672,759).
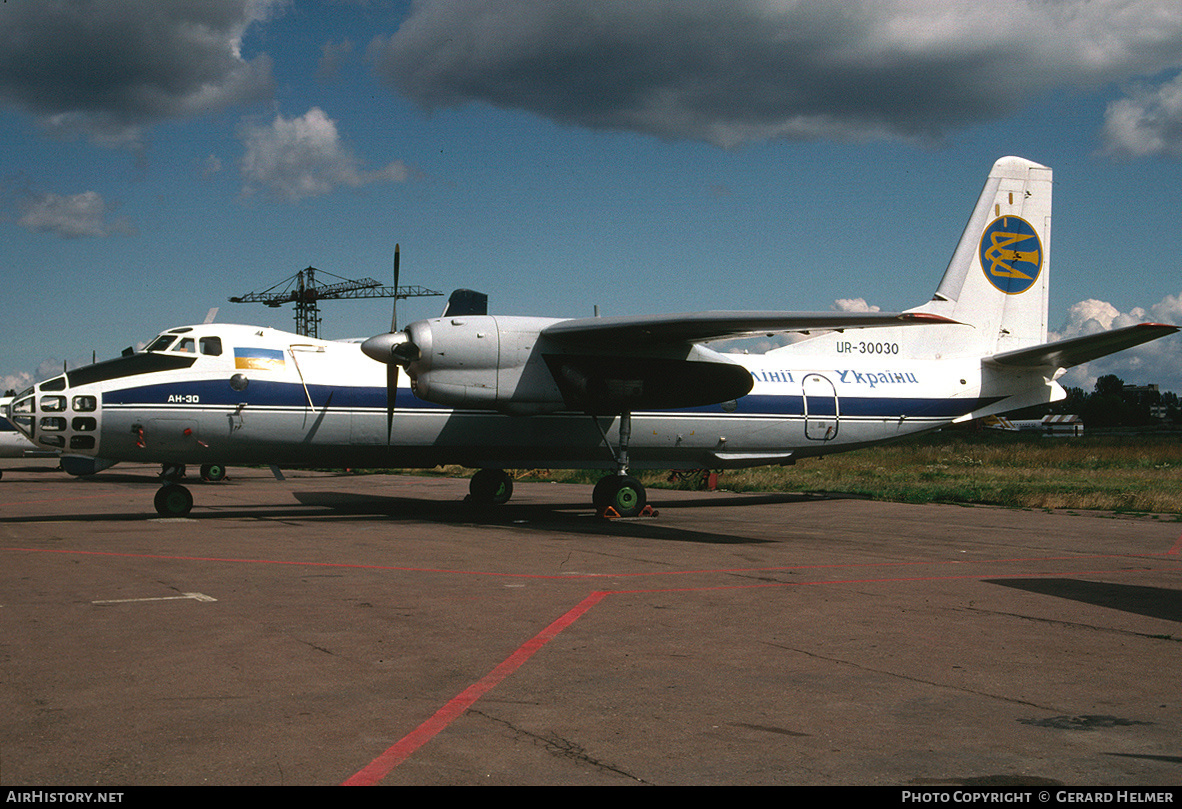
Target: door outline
(822,414)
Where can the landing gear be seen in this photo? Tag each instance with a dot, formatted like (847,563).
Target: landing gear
(619,495)
(173,500)
(213,472)
(623,494)
(490,487)
(172,471)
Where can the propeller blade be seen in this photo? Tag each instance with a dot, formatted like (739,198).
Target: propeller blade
(391,358)
(394,316)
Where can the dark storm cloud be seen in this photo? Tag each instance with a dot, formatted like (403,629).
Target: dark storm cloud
(109,68)
(742,70)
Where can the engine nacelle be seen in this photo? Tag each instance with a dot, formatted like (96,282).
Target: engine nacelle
(483,362)
(506,363)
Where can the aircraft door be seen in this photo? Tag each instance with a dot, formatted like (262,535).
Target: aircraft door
(821,412)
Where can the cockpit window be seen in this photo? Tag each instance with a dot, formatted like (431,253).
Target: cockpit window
(187,345)
(57,383)
(211,346)
(161,343)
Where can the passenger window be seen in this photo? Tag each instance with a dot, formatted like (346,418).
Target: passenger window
(85,404)
(211,346)
(53,404)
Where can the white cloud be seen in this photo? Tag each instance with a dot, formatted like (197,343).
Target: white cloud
(73,217)
(1148,122)
(733,71)
(1157,362)
(110,68)
(16,382)
(853,305)
(294,158)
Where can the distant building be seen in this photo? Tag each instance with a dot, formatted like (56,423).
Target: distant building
(1066,425)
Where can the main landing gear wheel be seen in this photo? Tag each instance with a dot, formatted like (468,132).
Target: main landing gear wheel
(622,493)
(173,500)
(213,472)
(491,487)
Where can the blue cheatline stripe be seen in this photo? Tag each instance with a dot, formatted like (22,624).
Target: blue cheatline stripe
(265,393)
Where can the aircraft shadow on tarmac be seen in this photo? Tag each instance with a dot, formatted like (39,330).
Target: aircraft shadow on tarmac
(1152,602)
(573,517)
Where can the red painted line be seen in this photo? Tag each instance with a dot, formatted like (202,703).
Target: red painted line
(1176,549)
(381,766)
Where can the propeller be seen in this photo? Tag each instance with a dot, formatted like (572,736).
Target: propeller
(395,349)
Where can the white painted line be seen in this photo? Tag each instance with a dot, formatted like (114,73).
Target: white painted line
(183,596)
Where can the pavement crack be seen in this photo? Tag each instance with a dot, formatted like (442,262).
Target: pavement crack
(909,678)
(558,746)
(1073,624)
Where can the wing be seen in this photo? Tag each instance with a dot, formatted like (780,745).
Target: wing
(1078,350)
(612,364)
(697,327)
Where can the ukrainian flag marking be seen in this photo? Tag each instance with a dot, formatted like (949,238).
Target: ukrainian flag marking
(259,359)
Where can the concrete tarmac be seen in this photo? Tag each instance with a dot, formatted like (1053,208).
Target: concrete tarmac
(334,629)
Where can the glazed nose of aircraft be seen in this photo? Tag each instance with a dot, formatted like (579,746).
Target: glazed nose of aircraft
(53,417)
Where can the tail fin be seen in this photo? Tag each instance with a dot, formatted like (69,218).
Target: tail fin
(997,280)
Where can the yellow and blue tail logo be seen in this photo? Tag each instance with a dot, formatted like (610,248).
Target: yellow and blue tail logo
(259,359)
(1011,254)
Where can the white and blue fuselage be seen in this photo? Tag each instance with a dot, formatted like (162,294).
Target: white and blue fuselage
(235,394)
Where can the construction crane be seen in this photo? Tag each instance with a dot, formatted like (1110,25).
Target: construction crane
(305,291)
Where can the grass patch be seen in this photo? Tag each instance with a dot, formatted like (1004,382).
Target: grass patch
(1121,473)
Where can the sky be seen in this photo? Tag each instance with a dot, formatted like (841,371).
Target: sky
(642,156)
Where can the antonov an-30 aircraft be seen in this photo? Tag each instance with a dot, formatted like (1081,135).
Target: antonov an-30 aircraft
(610,393)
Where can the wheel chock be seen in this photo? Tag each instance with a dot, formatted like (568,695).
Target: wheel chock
(609,513)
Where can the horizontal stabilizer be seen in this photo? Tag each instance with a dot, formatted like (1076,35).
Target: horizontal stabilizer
(696,327)
(1078,350)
